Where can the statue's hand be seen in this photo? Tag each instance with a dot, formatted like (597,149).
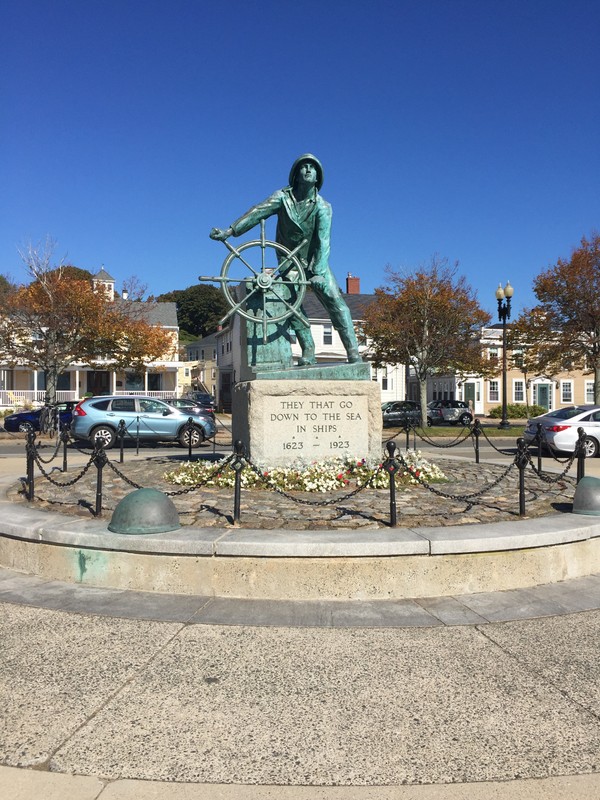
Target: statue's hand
(220,235)
(318,281)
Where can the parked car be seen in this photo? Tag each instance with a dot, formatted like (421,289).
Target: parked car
(456,412)
(434,414)
(402,411)
(186,402)
(559,428)
(151,419)
(30,420)
(202,399)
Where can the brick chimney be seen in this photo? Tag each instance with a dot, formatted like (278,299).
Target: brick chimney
(352,284)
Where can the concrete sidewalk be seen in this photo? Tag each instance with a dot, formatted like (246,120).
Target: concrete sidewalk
(141,699)
(118,695)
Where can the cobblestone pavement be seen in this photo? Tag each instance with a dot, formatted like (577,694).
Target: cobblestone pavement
(417,506)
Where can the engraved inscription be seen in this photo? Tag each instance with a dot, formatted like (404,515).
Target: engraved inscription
(317,428)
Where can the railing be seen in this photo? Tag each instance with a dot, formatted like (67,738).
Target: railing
(14,398)
(17,398)
(141,393)
(394,465)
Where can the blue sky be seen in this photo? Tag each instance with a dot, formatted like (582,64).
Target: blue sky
(466,128)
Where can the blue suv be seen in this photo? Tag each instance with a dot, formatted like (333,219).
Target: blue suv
(146,417)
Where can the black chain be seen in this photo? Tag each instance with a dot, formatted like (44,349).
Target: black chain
(177,492)
(271,485)
(53,456)
(493,446)
(58,483)
(462,437)
(469,498)
(560,477)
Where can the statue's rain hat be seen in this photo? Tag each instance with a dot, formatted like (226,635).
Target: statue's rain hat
(314,160)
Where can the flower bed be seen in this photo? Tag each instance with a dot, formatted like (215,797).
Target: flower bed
(318,476)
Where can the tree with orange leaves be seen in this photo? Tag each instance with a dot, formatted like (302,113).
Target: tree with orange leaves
(563,330)
(430,319)
(60,319)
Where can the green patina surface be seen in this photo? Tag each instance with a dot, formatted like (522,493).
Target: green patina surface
(88,564)
(319,372)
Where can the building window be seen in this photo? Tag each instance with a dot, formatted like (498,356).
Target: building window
(494,391)
(518,391)
(589,392)
(327,334)
(493,353)
(186,372)
(566,391)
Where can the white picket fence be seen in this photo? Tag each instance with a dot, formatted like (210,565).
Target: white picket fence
(19,398)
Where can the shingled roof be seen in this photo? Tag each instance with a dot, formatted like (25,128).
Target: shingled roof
(355,302)
(163,314)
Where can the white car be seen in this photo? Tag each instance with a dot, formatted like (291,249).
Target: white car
(559,429)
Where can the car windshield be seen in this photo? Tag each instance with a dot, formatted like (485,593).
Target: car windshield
(568,413)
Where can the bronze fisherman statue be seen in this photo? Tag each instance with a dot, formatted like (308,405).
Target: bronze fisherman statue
(304,216)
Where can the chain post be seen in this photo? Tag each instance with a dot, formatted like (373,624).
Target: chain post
(406,427)
(121,429)
(30,452)
(99,458)
(237,465)
(521,459)
(580,450)
(538,440)
(189,425)
(476,433)
(64,437)
(391,466)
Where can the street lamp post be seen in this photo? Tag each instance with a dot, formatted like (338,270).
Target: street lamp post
(503,315)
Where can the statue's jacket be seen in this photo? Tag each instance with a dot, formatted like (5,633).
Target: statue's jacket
(308,219)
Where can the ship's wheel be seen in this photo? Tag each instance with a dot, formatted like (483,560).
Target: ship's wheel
(273,280)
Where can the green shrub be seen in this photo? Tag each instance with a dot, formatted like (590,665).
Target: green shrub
(517,411)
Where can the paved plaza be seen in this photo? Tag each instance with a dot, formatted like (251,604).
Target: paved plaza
(116,694)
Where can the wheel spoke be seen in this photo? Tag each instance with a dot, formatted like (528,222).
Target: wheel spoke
(238,306)
(288,258)
(237,254)
(264,319)
(292,309)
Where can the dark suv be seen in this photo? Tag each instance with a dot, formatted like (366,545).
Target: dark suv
(401,411)
(456,412)
(202,399)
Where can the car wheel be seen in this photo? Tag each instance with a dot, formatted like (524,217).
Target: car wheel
(590,447)
(465,420)
(196,434)
(106,434)
(24,427)
(429,422)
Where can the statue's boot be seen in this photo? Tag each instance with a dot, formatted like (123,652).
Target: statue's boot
(350,343)
(306,342)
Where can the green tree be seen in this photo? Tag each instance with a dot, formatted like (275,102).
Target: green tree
(6,287)
(563,330)
(430,319)
(199,308)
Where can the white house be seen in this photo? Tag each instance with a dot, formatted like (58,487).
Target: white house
(20,385)
(328,346)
